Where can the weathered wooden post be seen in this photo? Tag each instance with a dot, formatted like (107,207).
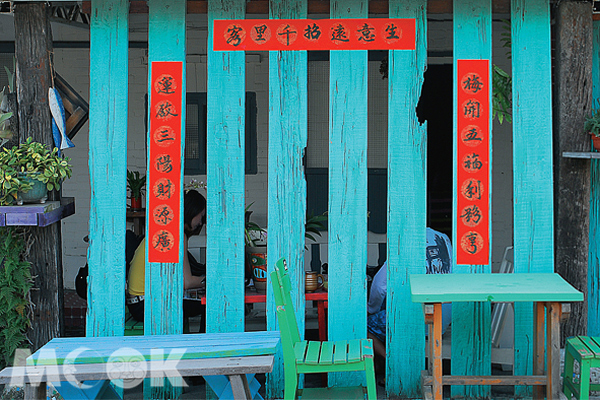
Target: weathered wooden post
(593,325)
(33,49)
(532,161)
(471,347)
(288,119)
(109,52)
(407,190)
(347,188)
(225,177)
(573,104)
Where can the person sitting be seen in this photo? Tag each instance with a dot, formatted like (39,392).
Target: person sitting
(194,218)
(438,261)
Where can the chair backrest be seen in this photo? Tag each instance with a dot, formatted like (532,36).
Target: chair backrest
(286,317)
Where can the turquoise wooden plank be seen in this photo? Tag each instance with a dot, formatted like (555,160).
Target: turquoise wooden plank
(532,160)
(471,336)
(288,122)
(225,158)
(593,327)
(347,244)
(109,30)
(163,303)
(407,206)
(156,347)
(164,281)
(492,287)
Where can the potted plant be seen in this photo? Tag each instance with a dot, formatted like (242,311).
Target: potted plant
(136,185)
(592,127)
(29,170)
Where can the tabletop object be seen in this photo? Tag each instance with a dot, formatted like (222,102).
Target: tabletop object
(545,290)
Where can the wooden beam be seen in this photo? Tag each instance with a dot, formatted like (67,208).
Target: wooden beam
(314,7)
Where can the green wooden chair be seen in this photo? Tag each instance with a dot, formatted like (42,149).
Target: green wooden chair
(308,357)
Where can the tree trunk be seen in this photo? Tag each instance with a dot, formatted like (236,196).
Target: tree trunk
(33,49)
(573,99)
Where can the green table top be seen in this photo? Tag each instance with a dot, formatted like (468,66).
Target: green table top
(445,288)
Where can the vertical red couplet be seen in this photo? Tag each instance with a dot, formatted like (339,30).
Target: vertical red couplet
(473,156)
(164,176)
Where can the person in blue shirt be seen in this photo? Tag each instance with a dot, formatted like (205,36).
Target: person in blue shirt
(438,260)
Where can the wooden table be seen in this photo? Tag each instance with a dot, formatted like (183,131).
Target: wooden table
(252,296)
(96,360)
(546,291)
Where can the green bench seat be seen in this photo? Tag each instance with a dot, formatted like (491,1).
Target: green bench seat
(586,351)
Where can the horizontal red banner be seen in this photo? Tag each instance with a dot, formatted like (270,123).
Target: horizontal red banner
(314,34)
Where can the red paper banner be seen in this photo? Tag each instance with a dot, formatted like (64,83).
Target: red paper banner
(164,177)
(473,156)
(314,34)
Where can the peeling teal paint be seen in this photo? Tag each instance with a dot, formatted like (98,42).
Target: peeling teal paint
(407,188)
(471,336)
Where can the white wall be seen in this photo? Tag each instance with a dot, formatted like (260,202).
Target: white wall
(73,65)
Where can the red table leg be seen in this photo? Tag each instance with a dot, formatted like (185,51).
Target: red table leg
(538,347)
(553,311)
(437,352)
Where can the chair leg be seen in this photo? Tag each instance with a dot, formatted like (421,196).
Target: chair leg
(291,386)
(568,373)
(584,380)
(371,384)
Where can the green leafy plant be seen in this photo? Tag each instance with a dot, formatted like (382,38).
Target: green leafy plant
(11,76)
(30,161)
(592,123)
(314,225)
(136,183)
(5,133)
(501,94)
(15,283)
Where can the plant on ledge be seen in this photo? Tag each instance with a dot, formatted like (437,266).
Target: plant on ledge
(28,165)
(136,185)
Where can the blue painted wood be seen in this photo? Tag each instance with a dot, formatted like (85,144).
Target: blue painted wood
(532,161)
(156,347)
(593,328)
(471,336)
(163,303)
(109,30)
(288,121)
(407,177)
(347,189)
(225,178)
(164,281)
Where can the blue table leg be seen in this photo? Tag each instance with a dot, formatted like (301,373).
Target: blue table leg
(222,387)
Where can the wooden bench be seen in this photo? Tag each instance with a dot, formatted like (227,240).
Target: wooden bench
(228,362)
(586,351)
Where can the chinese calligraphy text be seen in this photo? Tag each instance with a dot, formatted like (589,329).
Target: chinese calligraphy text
(164,176)
(473,158)
(318,34)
